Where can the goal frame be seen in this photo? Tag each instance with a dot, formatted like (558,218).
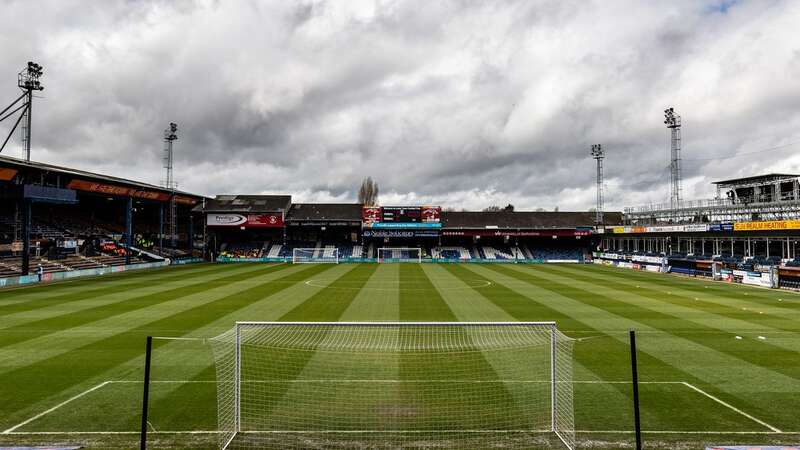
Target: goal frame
(553,330)
(418,259)
(296,260)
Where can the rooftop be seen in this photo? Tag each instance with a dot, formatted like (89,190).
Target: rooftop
(20,164)
(524,219)
(756,179)
(349,212)
(247,203)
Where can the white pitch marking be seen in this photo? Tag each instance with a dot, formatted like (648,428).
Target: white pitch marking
(190,432)
(44,413)
(733,408)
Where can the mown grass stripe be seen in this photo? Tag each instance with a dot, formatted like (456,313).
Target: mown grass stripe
(198,413)
(423,301)
(614,350)
(38,328)
(325,306)
(764,297)
(693,299)
(758,353)
(85,290)
(710,372)
(101,356)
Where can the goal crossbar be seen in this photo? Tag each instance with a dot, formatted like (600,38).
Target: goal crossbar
(519,356)
(392,258)
(315,255)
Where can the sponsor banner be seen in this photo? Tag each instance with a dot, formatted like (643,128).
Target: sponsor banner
(400,233)
(405,225)
(185,200)
(720,227)
(113,189)
(690,228)
(767,225)
(7,174)
(245,220)
(303,223)
(518,233)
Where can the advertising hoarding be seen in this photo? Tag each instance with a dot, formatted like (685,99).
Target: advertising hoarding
(245,220)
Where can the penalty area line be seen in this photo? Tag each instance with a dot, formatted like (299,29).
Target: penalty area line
(731,407)
(44,413)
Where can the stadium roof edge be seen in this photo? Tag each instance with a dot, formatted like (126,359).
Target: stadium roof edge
(19,163)
(756,178)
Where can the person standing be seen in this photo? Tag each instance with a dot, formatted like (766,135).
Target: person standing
(40,272)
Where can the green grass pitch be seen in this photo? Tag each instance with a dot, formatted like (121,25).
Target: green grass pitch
(719,364)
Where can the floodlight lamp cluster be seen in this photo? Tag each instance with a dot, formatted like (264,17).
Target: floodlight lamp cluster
(597,151)
(170,133)
(29,77)
(670,119)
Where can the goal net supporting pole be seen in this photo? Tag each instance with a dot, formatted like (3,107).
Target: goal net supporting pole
(146,392)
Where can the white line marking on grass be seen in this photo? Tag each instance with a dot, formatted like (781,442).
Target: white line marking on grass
(44,413)
(733,408)
(312,380)
(773,430)
(190,432)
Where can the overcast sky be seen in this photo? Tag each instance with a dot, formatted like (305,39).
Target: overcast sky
(462,104)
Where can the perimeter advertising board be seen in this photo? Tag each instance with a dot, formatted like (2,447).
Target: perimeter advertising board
(518,233)
(767,225)
(245,220)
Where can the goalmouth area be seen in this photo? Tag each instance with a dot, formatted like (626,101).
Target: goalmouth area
(717,363)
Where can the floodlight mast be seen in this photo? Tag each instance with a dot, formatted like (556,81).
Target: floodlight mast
(598,154)
(28,82)
(673,123)
(171,135)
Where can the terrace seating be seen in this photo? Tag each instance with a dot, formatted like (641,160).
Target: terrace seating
(452,253)
(498,252)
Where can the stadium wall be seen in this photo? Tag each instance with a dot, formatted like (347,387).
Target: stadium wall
(60,276)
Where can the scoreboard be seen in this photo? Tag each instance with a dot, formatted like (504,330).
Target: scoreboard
(401,217)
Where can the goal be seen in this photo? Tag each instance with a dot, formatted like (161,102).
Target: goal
(294,385)
(400,254)
(316,255)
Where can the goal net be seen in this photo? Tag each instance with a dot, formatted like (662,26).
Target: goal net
(328,254)
(293,385)
(400,254)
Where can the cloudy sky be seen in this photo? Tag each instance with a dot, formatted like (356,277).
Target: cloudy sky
(459,103)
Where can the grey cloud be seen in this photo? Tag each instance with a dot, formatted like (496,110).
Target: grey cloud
(462,101)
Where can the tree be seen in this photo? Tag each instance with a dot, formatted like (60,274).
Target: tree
(509,208)
(368,192)
(493,208)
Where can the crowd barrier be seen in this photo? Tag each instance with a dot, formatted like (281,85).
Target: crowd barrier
(59,276)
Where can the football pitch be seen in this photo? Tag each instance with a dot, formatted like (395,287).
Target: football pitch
(718,363)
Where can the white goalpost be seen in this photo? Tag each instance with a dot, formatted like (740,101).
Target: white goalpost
(315,255)
(400,254)
(296,385)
